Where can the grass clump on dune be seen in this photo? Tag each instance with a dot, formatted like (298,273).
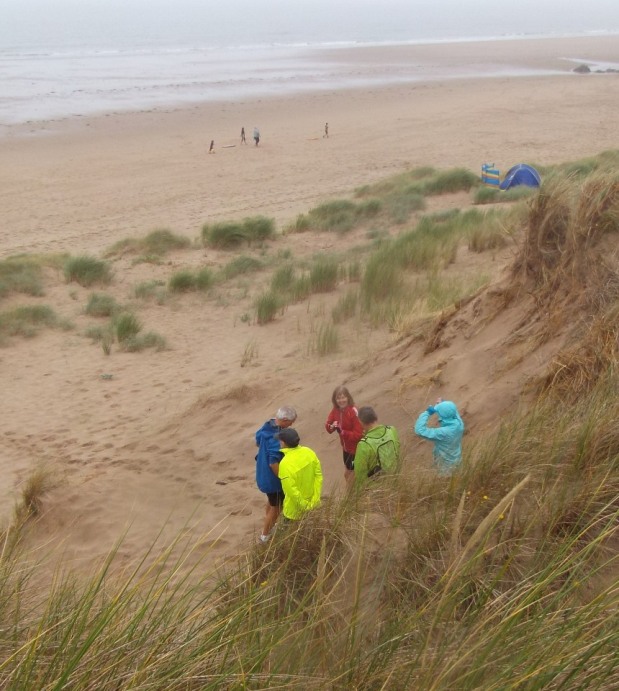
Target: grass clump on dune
(126,329)
(239,266)
(157,243)
(232,234)
(267,306)
(154,289)
(185,281)
(101,305)
(26,321)
(21,275)
(87,271)
(323,274)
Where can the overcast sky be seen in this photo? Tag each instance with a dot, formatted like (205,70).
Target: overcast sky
(303,20)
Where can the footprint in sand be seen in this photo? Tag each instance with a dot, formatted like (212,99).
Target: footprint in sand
(236,478)
(245,511)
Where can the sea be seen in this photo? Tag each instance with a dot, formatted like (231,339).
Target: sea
(63,58)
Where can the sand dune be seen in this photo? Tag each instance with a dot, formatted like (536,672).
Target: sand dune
(165,439)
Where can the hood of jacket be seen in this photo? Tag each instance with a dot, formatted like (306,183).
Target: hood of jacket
(448,414)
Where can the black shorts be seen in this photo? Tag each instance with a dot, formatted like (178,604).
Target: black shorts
(349,460)
(276,499)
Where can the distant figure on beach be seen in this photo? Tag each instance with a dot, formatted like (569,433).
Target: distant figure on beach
(243,136)
(378,450)
(211,149)
(326,134)
(447,437)
(268,455)
(344,420)
(256,135)
(301,475)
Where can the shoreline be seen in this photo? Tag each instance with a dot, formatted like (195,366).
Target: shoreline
(84,183)
(344,67)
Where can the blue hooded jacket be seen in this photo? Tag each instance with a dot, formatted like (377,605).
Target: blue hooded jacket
(447,438)
(269,451)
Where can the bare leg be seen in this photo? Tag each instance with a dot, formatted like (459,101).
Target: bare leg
(270,518)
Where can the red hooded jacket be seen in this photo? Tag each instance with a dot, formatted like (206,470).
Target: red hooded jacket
(351,430)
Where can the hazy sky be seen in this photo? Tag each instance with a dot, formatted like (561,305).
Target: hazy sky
(301,20)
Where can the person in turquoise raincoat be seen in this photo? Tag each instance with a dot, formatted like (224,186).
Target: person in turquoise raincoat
(447,437)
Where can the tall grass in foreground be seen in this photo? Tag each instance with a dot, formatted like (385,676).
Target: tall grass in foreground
(503,578)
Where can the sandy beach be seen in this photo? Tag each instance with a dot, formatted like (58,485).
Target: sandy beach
(167,438)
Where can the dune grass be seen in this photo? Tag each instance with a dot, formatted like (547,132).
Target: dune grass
(101,305)
(492,195)
(156,244)
(186,280)
(233,234)
(27,320)
(267,305)
(424,583)
(501,577)
(346,306)
(21,275)
(87,271)
(241,266)
(323,275)
(326,339)
(154,289)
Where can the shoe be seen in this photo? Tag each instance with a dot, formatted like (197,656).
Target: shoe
(265,538)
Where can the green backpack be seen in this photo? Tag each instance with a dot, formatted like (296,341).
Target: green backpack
(385,449)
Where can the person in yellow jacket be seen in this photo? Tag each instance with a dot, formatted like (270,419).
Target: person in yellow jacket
(301,475)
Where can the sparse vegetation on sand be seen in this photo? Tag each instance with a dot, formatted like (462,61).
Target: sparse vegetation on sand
(503,576)
(233,234)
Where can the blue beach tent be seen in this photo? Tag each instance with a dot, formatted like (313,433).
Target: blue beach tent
(521,174)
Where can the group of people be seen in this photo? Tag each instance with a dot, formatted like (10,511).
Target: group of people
(256,136)
(291,475)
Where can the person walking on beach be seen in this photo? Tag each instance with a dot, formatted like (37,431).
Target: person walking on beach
(211,149)
(378,451)
(344,420)
(300,474)
(256,135)
(269,454)
(447,437)
(243,136)
(326,134)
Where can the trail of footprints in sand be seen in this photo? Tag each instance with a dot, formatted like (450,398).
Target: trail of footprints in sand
(198,477)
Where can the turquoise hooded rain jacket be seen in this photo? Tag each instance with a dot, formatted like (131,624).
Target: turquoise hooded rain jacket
(447,438)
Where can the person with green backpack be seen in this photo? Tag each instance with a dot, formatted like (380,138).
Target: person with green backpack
(378,450)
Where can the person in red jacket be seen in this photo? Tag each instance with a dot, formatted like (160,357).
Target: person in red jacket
(344,421)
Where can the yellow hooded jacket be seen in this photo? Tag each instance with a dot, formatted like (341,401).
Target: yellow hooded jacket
(301,476)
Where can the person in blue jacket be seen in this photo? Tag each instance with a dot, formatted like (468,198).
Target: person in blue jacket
(447,437)
(269,453)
